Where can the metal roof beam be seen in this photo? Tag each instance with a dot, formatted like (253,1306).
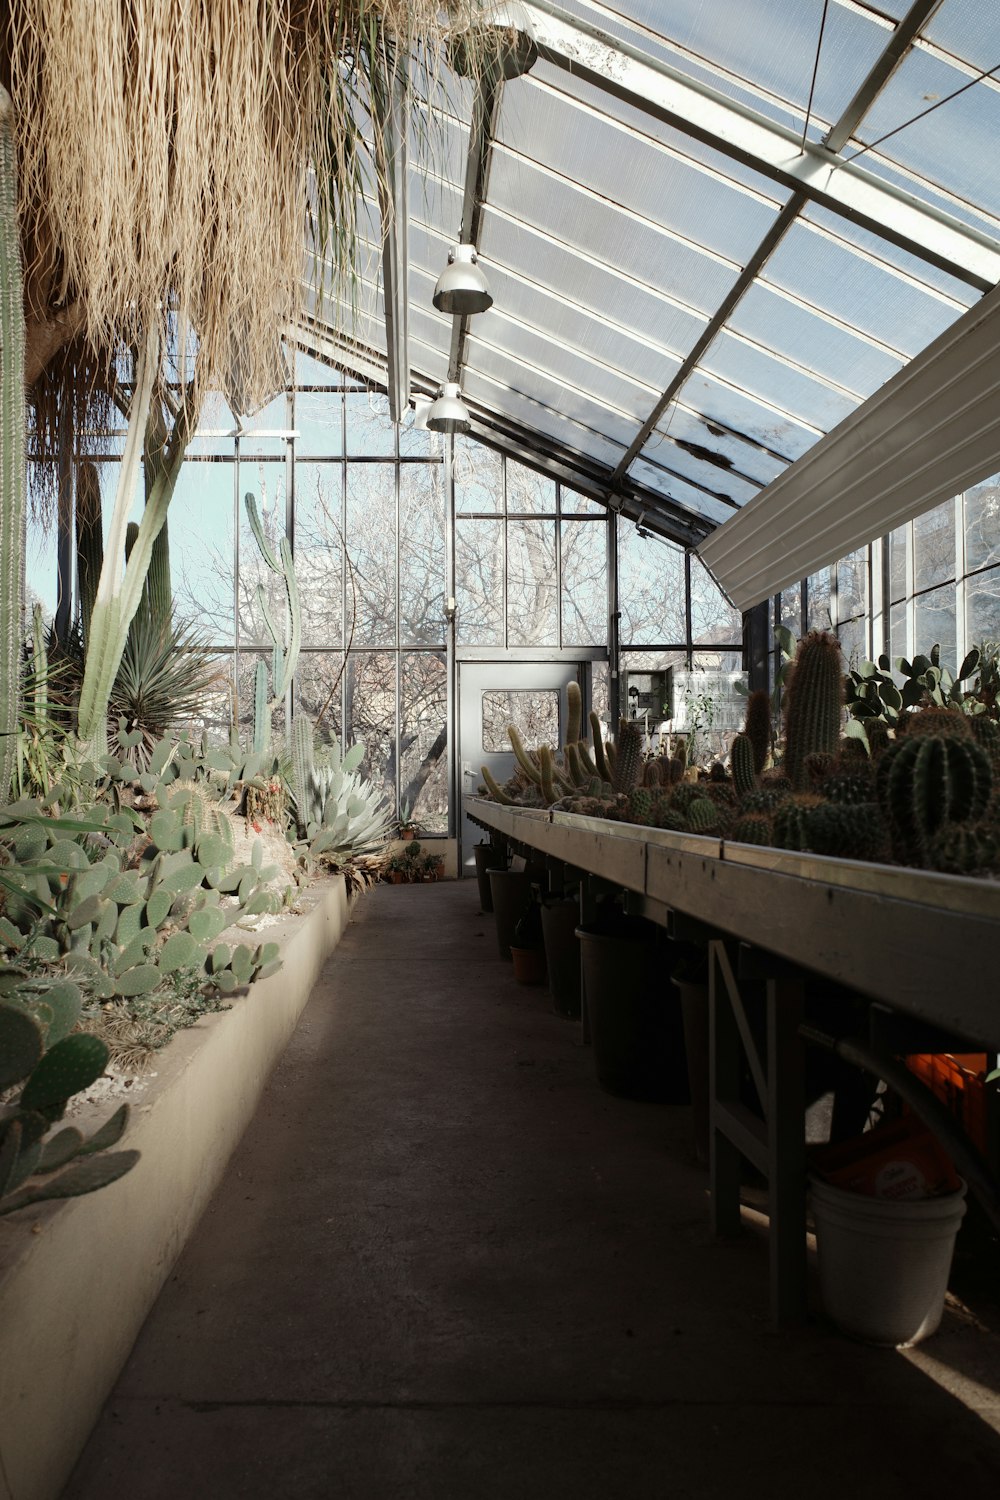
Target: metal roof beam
(390,110)
(774,150)
(485,116)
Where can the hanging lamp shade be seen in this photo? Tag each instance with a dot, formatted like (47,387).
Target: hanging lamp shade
(462,288)
(449,412)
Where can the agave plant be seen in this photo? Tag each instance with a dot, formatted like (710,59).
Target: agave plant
(166,670)
(339,813)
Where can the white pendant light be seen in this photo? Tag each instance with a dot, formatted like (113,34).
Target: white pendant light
(462,288)
(449,412)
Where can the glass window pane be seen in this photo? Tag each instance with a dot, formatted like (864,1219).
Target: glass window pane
(983,608)
(934,623)
(707,705)
(202,548)
(898,643)
(479,582)
(934,547)
(319,552)
(600,682)
(319,423)
(310,371)
(218,419)
(791,608)
(852,584)
(215,705)
(982,524)
(650,589)
(319,687)
(478,479)
(818,596)
(370,714)
(529,493)
(421,554)
(369,429)
(853,637)
(713,618)
(269,493)
(41,579)
(572,503)
(533,712)
(531,584)
(899,540)
(584,583)
(371,549)
(423,741)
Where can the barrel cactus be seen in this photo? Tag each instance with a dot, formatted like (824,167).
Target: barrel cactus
(926,781)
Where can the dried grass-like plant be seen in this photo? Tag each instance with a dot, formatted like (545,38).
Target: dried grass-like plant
(166,148)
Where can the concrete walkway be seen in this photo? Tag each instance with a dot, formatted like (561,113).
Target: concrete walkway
(444,1265)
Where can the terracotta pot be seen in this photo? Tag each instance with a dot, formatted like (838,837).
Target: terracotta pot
(407,834)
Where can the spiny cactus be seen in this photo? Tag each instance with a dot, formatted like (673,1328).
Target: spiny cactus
(703,816)
(846,830)
(945,723)
(600,760)
(765,799)
(791,829)
(813,703)
(743,762)
(964,849)
(12,470)
(574,712)
(849,786)
(752,828)
(89,541)
(757,727)
(641,803)
(628,756)
(925,781)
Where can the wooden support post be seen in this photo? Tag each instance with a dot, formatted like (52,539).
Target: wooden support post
(786,1107)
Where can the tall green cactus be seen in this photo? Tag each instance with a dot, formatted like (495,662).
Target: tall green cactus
(303,767)
(757,727)
(742,761)
(285,645)
(89,541)
(813,703)
(926,781)
(12,471)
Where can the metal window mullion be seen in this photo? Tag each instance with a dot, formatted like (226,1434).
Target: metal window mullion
(910,573)
(398,637)
(451,685)
(237,634)
(961,622)
(504,546)
(688,613)
(559,572)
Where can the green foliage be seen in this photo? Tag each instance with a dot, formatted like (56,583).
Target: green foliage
(50,1078)
(339,813)
(166,669)
(13,484)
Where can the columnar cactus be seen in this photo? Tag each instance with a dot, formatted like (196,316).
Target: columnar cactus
(743,762)
(285,644)
(628,757)
(757,727)
(813,704)
(89,541)
(12,472)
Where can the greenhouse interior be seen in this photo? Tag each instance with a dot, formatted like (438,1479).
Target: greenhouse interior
(550,452)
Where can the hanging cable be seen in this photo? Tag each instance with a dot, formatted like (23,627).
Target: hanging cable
(924,112)
(812,86)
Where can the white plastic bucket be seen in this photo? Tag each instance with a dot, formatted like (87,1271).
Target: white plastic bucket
(884,1263)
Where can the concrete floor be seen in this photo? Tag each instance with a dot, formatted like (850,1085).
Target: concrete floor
(444,1265)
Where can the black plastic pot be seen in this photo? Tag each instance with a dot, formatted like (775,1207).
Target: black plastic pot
(511,891)
(562,954)
(488,857)
(635,1013)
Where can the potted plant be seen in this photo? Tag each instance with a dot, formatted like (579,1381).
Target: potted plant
(407,822)
(526,949)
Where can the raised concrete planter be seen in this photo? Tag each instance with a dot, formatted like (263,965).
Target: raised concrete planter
(77,1279)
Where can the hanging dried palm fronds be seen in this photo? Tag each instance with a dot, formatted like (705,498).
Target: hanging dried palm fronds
(165,150)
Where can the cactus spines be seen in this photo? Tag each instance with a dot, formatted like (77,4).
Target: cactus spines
(285,651)
(600,762)
(849,787)
(742,760)
(927,780)
(791,821)
(752,828)
(757,727)
(586,760)
(813,702)
(524,758)
(946,723)
(964,849)
(846,830)
(640,805)
(494,788)
(628,756)
(261,714)
(12,470)
(651,773)
(703,816)
(302,762)
(545,775)
(574,712)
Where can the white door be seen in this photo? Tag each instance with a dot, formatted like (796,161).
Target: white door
(492,695)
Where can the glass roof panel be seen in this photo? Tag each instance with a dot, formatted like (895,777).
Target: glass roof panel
(569,368)
(624,249)
(879,300)
(635,171)
(954,145)
(719,402)
(700,469)
(770,43)
(543,387)
(534,415)
(795,330)
(968,28)
(794,391)
(652,477)
(731,453)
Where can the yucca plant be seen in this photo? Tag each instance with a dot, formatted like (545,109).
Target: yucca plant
(166,670)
